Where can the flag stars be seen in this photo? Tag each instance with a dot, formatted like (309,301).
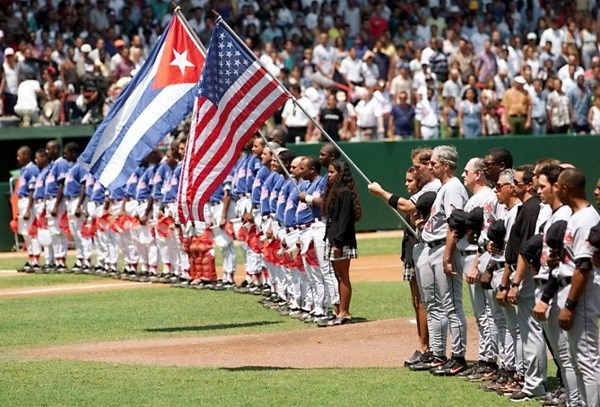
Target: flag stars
(181,61)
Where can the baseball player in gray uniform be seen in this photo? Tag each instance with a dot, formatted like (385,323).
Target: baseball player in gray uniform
(579,280)
(485,198)
(557,338)
(444,262)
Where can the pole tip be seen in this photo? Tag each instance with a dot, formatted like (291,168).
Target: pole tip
(215,14)
(175,6)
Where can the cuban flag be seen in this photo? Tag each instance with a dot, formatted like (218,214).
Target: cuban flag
(151,106)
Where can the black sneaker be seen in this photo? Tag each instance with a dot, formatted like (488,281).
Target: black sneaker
(61,268)
(520,396)
(427,362)
(485,372)
(25,268)
(415,358)
(470,370)
(452,368)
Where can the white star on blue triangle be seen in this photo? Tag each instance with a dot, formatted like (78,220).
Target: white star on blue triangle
(216,80)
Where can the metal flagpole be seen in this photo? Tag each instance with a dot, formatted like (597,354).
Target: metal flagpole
(201,45)
(317,125)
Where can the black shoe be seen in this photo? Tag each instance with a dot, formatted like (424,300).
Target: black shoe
(427,362)
(25,268)
(452,368)
(520,396)
(61,268)
(415,358)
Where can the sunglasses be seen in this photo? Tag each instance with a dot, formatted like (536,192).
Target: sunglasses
(500,185)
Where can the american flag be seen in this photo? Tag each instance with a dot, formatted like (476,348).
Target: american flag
(235,97)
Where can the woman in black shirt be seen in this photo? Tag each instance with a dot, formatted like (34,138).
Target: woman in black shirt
(342,208)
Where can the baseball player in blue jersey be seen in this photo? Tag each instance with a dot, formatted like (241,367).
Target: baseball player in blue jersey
(74,192)
(130,204)
(55,205)
(39,201)
(161,187)
(27,177)
(96,194)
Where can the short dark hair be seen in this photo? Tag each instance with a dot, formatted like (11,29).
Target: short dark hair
(501,155)
(551,172)
(72,147)
(313,162)
(527,170)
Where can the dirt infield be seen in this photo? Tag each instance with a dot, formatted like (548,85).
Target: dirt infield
(370,344)
(373,344)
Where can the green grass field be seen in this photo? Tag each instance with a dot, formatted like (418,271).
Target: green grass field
(162,312)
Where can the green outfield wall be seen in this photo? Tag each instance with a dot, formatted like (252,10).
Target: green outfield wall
(384,162)
(387,162)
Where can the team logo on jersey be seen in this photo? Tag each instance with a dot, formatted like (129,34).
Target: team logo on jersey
(264,194)
(49,179)
(302,206)
(569,238)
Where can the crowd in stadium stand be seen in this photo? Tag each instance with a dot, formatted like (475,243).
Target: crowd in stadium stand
(365,69)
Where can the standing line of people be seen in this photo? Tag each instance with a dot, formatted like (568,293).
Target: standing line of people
(525,242)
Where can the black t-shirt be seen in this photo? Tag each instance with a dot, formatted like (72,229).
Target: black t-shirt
(331,121)
(523,229)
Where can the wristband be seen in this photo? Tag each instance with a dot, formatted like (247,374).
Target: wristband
(570,304)
(309,199)
(502,288)
(393,201)
(514,285)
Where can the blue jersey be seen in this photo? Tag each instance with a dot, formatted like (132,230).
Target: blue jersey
(282,197)
(161,176)
(39,192)
(57,174)
(117,193)
(98,192)
(132,181)
(144,185)
(27,178)
(277,185)
(265,193)
(172,186)
(291,206)
(252,168)
(304,212)
(89,185)
(76,177)
(261,176)
(217,196)
(239,177)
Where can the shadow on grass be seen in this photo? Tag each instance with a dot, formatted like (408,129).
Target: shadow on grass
(256,368)
(212,327)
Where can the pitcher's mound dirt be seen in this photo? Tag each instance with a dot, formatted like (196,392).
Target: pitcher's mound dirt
(373,344)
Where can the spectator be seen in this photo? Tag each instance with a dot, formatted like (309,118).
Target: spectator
(594,117)
(489,94)
(331,118)
(299,127)
(465,59)
(351,69)
(453,86)
(469,115)
(27,104)
(401,83)
(517,103)
(426,114)
(580,100)
(450,118)
(539,100)
(558,109)
(369,71)
(401,123)
(11,81)
(589,39)
(485,66)
(352,16)
(491,123)
(323,57)
(369,116)
(555,36)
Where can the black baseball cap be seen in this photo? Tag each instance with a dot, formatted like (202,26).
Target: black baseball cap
(497,232)
(594,237)
(425,202)
(458,222)
(475,219)
(532,250)
(556,234)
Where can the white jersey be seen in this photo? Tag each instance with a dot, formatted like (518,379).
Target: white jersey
(562,213)
(576,246)
(509,220)
(543,217)
(452,195)
(432,186)
(485,199)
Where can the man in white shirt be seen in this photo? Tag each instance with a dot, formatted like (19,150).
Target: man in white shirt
(554,35)
(298,125)
(27,106)
(350,68)
(12,81)
(426,114)
(324,56)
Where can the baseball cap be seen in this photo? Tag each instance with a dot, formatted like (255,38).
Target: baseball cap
(556,234)
(425,202)
(496,232)
(532,250)
(9,51)
(86,48)
(531,36)
(475,219)
(594,238)
(521,80)
(458,222)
